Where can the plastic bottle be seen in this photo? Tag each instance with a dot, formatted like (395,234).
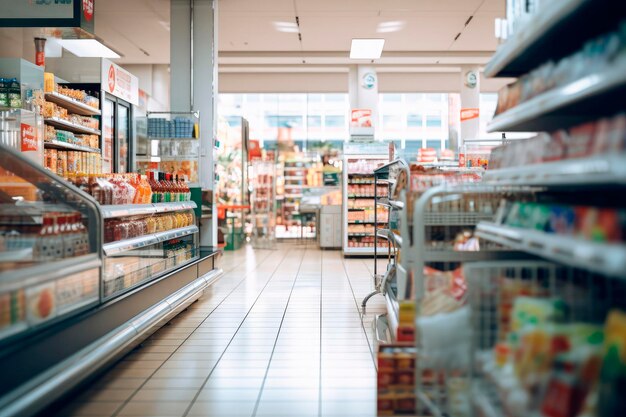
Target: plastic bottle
(65,233)
(15,94)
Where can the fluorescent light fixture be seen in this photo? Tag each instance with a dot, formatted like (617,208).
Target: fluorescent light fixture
(366,48)
(88,48)
(289,27)
(386,27)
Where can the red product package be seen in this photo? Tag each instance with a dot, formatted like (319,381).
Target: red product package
(580,140)
(554,147)
(617,134)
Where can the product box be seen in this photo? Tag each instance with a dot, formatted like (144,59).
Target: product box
(396,379)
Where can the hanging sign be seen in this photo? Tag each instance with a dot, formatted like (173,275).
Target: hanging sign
(48,14)
(28,137)
(119,82)
(468,114)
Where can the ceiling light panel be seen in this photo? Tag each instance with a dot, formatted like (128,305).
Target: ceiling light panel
(88,48)
(366,48)
(388,27)
(288,27)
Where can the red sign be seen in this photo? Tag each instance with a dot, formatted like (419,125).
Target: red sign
(111,78)
(88,9)
(468,114)
(29,138)
(361,118)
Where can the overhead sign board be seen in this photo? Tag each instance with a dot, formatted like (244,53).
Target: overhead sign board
(119,82)
(48,14)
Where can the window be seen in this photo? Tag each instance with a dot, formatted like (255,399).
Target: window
(392,97)
(392,122)
(414,120)
(433,143)
(314,121)
(433,121)
(335,121)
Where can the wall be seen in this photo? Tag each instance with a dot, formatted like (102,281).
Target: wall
(338,82)
(154,79)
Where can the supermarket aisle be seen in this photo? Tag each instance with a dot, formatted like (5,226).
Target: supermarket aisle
(279,335)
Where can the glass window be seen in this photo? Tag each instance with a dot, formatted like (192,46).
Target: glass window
(414,120)
(314,121)
(433,143)
(335,121)
(336,97)
(392,97)
(392,122)
(433,121)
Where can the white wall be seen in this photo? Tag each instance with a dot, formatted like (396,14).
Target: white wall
(338,82)
(154,79)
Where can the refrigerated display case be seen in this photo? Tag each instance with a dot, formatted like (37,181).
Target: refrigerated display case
(83,283)
(49,263)
(359,208)
(117,115)
(173,145)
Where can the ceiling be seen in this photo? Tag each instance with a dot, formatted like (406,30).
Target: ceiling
(248,37)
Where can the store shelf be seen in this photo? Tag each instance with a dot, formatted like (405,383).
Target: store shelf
(112,211)
(69,126)
(169,138)
(73,106)
(49,271)
(560,28)
(361,183)
(390,203)
(391,236)
(293,177)
(365,251)
(363,222)
(370,197)
(55,144)
(604,258)
(114,248)
(455,218)
(359,234)
(604,169)
(588,98)
(167,158)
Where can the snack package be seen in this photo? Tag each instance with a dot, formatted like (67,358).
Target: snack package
(612,383)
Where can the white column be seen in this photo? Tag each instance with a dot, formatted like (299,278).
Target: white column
(470,99)
(193,83)
(363,89)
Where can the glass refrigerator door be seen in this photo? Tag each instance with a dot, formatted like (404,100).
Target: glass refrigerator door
(123,138)
(108,125)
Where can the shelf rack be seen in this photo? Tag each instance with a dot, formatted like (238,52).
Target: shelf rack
(543,38)
(147,240)
(124,210)
(73,106)
(603,258)
(593,170)
(56,144)
(69,126)
(585,99)
(587,276)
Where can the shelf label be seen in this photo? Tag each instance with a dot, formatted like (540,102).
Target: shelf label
(29,138)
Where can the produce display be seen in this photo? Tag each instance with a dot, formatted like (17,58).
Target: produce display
(603,137)
(596,55)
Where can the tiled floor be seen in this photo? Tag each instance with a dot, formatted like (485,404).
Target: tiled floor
(280,334)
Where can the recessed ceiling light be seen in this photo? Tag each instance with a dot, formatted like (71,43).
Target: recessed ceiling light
(386,27)
(289,27)
(366,48)
(88,48)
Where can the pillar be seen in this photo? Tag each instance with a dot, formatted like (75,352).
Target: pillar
(193,85)
(470,100)
(363,89)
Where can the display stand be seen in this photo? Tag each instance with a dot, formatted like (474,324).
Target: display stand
(264,205)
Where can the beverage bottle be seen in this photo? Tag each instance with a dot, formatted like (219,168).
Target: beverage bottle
(65,233)
(166,188)
(55,240)
(173,187)
(152,184)
(147,197)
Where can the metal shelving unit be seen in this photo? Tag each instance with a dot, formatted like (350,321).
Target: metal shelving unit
(55,144)
(69,126)
(124,210)
(594,170)
(603,258)
(114,248)
(589,98)
(73,106)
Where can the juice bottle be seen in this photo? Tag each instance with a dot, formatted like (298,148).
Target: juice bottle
(165,198)
(65,233)
(55,240)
